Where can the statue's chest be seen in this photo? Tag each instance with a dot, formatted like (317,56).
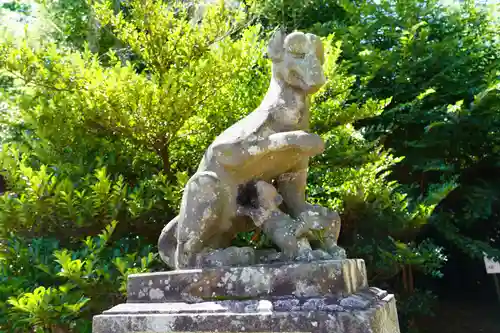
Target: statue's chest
(290,116)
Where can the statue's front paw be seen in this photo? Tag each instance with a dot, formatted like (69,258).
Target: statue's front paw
(337,252)
(309,144)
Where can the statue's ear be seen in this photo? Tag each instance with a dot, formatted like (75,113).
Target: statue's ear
(318,47)
(275,46)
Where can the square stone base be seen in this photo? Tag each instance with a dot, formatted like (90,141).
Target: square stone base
(368,311)
(318,297)
(328,278)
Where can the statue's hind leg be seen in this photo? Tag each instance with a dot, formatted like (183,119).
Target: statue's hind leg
(202,215)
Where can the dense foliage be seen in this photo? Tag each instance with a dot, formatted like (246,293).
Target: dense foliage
(440,67)
(104,120)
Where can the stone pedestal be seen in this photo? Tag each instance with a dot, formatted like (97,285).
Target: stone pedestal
(326,296)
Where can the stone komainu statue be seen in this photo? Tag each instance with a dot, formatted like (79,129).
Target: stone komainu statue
(271,145)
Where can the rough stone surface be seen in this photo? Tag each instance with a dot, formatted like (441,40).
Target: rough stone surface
(272,145)
(331,278)
(375,314)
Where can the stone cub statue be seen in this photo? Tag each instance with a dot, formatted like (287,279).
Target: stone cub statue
(270,144)
(294,237)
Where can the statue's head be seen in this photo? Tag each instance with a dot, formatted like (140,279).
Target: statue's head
(298,60)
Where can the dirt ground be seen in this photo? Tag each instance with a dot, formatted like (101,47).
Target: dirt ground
(463,317)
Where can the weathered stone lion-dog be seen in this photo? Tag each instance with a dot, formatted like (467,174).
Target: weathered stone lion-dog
(271,144)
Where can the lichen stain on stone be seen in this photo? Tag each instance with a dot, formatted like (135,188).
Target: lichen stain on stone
(236,322)
(302,288)
(265,306)
(161,324)
(155,294)
(333,324)
(225,278)
(254,279)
